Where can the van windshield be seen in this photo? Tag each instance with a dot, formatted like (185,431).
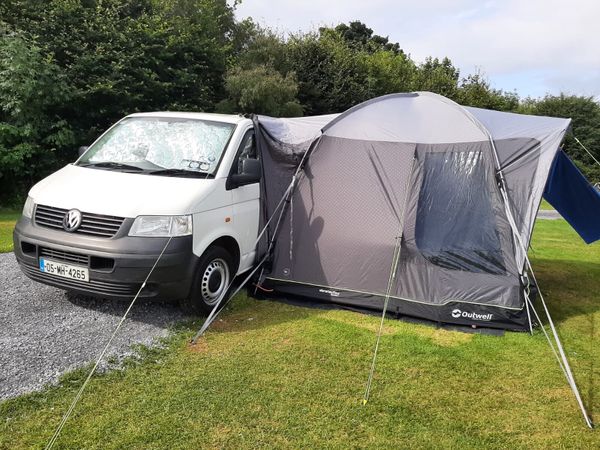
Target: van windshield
(162,146)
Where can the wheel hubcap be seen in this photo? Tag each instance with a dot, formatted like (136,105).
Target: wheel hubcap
(215,280)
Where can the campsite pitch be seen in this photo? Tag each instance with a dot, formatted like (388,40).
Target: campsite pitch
(275,375)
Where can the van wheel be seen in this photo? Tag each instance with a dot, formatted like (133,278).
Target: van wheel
(211,281)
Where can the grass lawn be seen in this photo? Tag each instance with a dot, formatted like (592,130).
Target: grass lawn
(545,205)
(272,375)
(7,224)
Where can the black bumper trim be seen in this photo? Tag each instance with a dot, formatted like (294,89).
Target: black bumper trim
(93,286)
(133,258)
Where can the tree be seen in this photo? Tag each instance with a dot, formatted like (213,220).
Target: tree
(475,90)
(260,90)
(332,76)
(32,127)
(585,114)
(390,72)
(264,47)
(70,68)
(438,76)
(358,35)
(123,56)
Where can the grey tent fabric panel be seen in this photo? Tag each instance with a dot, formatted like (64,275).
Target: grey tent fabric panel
(455,312)
(279,163)
(521,159)
(430,284)
(345,215)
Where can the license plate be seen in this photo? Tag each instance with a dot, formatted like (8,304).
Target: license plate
(64,270)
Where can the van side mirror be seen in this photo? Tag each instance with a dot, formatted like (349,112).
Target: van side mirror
(251,170)
(82,150)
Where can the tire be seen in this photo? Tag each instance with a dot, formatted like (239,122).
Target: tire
(212,281)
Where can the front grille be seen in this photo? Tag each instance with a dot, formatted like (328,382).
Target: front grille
(101,288)
(91,224)
(67,257)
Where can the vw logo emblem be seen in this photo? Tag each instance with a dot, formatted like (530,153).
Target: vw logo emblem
(72,220)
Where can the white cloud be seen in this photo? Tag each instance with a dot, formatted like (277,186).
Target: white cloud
(554,45)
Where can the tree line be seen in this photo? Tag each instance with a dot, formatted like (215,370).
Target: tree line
(71,68)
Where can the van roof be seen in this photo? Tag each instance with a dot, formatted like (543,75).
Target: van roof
(228,118)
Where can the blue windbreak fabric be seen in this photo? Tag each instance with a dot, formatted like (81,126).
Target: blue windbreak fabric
(574,198)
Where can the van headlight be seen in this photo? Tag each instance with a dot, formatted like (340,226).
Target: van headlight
(161,226)
(28,207)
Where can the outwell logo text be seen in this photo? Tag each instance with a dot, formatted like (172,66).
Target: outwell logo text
(330,292)
(456,313)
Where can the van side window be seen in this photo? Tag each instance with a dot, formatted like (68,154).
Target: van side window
(248,151)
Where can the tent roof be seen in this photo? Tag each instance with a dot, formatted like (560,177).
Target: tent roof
(505,125)
(409,118)
(295,130)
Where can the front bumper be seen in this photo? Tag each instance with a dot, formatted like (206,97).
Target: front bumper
(117,266)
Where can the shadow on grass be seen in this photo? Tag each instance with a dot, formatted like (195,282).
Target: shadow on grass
(242,313)
(570,288)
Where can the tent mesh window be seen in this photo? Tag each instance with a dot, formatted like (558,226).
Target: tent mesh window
(455,226)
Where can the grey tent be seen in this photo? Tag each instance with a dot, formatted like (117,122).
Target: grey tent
(411,204)
(459,187)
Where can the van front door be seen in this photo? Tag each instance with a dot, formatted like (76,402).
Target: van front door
(246,206)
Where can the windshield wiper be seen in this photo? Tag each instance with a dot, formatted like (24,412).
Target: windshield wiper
(112,165)
(180,173)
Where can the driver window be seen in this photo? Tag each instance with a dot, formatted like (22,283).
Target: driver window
(248,150)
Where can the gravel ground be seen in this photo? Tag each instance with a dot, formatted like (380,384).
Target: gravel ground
(44,332)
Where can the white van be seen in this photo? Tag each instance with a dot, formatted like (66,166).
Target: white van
(97,226)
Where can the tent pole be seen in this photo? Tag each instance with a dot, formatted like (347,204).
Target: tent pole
(563,356)
(511,220)
(543,327)
(529,317)
(526,293)
(567,367)
(587,151)
(391,281)
(388,293)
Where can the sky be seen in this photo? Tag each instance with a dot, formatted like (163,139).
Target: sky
(532,46)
